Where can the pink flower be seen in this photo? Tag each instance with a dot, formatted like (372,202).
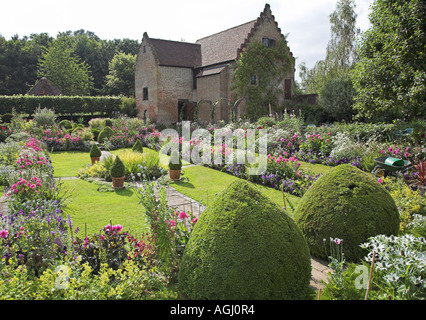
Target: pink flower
(3,233)
(172,223)
(390,149)
(337,241)
(407,154)
(380,180)
(183,215)
(194,220)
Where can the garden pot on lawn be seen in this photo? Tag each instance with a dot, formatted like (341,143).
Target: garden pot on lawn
(117,183)
(174,174)
(95,159)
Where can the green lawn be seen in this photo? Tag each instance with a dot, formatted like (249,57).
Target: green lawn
(67,163)
(205,182)
(93,209)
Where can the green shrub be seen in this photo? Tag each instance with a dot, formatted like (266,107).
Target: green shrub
(348,204)
(95,151)
(44,117)
(137,147)
(175,162)
(106,133)
(117,169)
(65,124)
(6,118)
(128,106)
(245,247)
(108,122)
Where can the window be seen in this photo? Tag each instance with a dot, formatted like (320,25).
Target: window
(253,80)
(145,93)
(268,42)
(144,49)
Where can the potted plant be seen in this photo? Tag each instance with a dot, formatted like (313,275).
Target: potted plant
(118,171)
(95,153)
(175,165)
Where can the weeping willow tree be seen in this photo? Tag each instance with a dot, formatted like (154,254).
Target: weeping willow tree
(259,73)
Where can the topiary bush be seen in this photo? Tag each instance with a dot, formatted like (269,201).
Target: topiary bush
(106,133)
(137,147)
(118,169)
(65,124)
(245,247)
(348,204)
(95,151)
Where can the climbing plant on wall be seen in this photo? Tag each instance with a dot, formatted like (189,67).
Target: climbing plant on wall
(259,73)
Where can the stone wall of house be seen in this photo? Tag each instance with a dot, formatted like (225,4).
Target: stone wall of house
(174,84)
(208,88)
(146,76)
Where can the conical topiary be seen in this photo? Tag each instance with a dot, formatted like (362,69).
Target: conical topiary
(137,147)
(118,169)
(244,246)
(348,204)
(95,152)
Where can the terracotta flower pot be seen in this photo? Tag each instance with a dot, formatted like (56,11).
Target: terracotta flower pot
(95,159)
(118,183)
(174,175)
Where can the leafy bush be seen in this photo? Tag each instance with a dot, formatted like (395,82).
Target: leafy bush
(137,147)
(245,247)
(118,169)
(44,117)
(65,124)
(6,118)
(105,134)
(95,151)
(348,204)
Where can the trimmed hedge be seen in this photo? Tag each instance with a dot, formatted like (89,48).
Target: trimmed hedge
(61,104)
(348,204)
(244,246)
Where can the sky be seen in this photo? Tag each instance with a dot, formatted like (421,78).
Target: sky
(305,22)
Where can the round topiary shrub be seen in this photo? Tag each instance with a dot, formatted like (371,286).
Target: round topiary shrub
(245,247)
(106,133)
(348,204)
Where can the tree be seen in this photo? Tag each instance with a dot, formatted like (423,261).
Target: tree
(337,99)
(121,77)
(341,53)
(391,74)
(60,64)
(259,73)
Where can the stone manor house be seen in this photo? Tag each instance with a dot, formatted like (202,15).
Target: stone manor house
(171,77)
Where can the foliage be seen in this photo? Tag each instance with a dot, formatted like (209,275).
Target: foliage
(121,76)
(60,65)
(348,204)
(337,99)
(137,147)
(61,104)
(117,169)
(245,247)
(44,117)
(390,76)
(95,151)
(399,265)
(270,66)
(341,51)
(105,134)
